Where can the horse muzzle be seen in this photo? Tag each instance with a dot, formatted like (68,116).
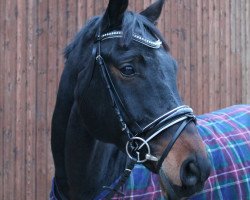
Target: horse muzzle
(193,174)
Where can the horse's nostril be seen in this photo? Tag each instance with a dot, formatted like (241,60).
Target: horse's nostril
(190,174)
(193,169)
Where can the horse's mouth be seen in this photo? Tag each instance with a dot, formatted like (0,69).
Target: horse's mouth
(174,192)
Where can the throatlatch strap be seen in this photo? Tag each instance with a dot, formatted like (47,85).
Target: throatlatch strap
(122,180)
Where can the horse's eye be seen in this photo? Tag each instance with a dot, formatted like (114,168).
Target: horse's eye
(127,70)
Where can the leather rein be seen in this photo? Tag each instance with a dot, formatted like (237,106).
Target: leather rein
(137,147)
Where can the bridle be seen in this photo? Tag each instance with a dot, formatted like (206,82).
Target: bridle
(137,147)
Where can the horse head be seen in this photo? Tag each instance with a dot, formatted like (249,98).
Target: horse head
(128,96)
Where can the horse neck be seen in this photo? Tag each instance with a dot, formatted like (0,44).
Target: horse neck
(105,164)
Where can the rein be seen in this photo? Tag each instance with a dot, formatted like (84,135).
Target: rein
(136,142)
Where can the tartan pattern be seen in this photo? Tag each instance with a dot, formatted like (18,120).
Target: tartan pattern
(142,185)
(226,134)
(52,195)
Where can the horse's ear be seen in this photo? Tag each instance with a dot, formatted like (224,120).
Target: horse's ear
(114,13)
(153,12)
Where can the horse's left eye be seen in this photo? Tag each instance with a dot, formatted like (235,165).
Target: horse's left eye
(127,70)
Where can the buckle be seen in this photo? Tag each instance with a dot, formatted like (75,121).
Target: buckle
(134,147)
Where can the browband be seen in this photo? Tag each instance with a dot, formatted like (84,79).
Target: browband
(119,34)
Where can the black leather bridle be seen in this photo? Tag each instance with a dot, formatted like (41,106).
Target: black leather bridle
(137,147)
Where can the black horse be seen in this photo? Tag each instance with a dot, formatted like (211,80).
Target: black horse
(118,103)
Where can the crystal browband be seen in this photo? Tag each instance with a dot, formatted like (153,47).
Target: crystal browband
(118,34)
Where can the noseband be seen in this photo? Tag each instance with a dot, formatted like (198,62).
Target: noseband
(182,114)
(137,147)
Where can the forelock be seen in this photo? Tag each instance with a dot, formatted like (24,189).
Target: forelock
(136,23)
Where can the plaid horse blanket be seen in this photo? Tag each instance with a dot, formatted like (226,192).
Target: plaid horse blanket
(226,134)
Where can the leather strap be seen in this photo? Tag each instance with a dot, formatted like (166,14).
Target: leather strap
(122,180)
(172,142)
(165,182)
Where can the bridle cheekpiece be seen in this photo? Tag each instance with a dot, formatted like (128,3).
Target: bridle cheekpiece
(137,147)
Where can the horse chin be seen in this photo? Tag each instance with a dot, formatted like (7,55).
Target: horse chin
(176,192)
(170,196)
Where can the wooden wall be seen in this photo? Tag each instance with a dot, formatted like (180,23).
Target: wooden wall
(209,39)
